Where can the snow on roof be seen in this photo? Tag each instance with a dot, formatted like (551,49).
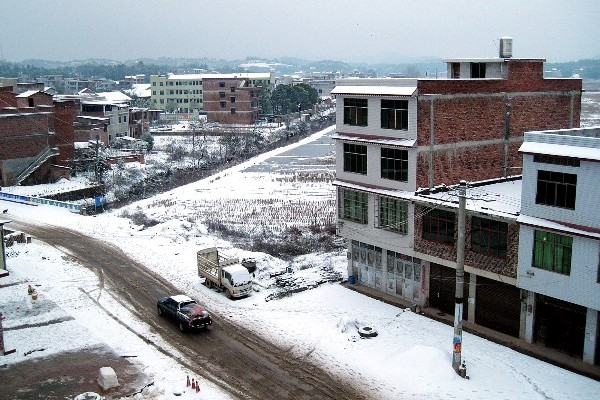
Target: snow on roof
(375,90)
(114,96)
(243,75)
(375,139)
(28,93)
(181,298)
(496,198)
(581,143)
(556,226)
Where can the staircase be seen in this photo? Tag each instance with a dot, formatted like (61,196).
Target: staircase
(40,159)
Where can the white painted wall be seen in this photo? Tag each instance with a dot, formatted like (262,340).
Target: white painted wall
(580,287)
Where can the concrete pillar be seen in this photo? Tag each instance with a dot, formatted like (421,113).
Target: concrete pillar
(471,297)
(589,342)
(527,317)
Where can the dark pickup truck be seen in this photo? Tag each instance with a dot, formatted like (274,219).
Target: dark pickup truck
(188,314)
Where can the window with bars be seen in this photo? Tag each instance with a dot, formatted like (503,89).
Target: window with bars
(353,205)
(556,189)
(394,114)
(489,237)
(393,215)
(355,158)
(552,252)
(394,164)
(438,225)
(356,112)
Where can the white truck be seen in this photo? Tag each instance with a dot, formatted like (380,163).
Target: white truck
(227,274)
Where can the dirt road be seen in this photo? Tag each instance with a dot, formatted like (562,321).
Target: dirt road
(240,362)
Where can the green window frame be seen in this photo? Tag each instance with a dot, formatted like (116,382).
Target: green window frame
(556,189)
(356,112)
(355,158)
(354,206)
(393,215)
(552,252)
(489,237)
(394,164)
(438,225)
(394,114)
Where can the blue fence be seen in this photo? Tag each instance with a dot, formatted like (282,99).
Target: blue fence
(39,200)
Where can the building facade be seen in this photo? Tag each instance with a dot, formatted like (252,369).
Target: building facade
(205,93)
(559,252)
(400,136)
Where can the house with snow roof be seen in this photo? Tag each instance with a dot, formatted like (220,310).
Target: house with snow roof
(397,137)
(559,250)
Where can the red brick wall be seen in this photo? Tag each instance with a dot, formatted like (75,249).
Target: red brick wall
(244,97)
(503,266)
(65,114)
(39,99)
(7,97)
(468,114)
(23,135)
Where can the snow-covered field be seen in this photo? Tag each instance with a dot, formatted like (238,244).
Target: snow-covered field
(409,359)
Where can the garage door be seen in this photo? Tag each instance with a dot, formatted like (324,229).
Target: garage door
(559,325)
(442,289)
(498,306)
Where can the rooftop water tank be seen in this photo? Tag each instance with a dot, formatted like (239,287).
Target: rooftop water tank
(505,47)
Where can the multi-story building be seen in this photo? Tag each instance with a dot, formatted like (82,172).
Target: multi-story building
(559,251)
(36,137)
(398,135)
(206,93)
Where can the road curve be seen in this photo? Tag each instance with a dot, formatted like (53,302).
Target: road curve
(234,358)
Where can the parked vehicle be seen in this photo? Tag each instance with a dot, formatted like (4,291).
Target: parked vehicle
(188,314)
(226,274)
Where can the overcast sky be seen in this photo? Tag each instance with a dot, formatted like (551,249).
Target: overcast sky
(345,30)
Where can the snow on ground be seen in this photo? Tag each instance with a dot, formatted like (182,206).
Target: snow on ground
(410,358)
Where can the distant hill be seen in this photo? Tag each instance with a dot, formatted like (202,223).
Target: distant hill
(110,69)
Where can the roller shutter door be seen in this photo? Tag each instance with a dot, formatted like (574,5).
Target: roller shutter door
(498,306)
(442,289)
(559,325)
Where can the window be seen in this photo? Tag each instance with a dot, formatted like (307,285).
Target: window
(552,252)
(355,112)
(232,110)
(393,215)
(354,206)
(153,83)
(161,84)
(438,225)
(154,92)
(355,158)
(556,189)
(232,99)
(124,118)
(232,89)
(394,164)
(489,237)
(222,95)
(223,104)
(455,70)
(394,114)
(477,70)
(162,92)
(221,84)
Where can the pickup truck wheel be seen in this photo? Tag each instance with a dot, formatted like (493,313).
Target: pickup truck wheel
(181,327)
(160,311)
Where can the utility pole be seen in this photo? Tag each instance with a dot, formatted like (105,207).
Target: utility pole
(460,282)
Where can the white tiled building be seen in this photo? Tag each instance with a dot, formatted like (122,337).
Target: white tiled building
(559,240)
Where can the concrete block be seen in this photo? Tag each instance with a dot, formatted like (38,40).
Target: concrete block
(107,378)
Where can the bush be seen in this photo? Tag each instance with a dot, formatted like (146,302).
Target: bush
(140,218)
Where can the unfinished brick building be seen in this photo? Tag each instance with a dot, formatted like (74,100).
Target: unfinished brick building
(396,136)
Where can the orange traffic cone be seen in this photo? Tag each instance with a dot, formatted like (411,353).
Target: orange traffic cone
(188,381)
(193,384)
